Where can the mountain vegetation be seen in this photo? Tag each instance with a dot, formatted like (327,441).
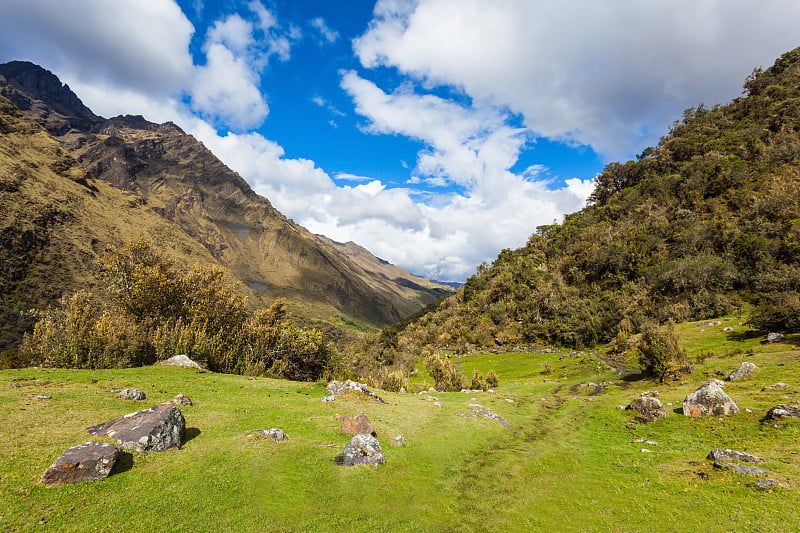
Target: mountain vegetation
(705,223)
(74,186)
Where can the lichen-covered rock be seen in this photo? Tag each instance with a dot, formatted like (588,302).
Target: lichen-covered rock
(275,434)
(358,424)
(131,394)
(337,388)
(363,449)
(180,360)
(649,407)
(739,469)
(709,400)
(783,411)
(91,461)
(182,399)
(151,430)
(744,369)
(726,454)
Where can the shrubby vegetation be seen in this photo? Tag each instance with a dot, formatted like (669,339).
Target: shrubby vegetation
(155,310)
(704,224)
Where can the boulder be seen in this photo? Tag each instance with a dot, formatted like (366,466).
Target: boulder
(182,399)
(744,369)
(180,360)
(709,400)
(774,337)
(92,461)
(739,469)
(337,388)
(273,434)
(363,449)
(151,430)
(783,411)
(359,424)
(726,454)
(649,407)
(131,394)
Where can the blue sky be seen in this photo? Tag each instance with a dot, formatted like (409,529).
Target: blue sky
(433,132)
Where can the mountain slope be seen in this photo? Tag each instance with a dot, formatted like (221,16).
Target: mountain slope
(172,176)
(703,224)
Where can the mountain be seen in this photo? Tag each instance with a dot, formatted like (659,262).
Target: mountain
(705,223)
(75,184)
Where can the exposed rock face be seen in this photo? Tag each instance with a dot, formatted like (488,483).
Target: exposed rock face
(649,407)
(180,360)
(92,461)
(744,369)
(132,394)
(273,434)
(709,400)
(356,425)
(363,449)
(182,399)
(726,454)
(150,430)
(337,388)
(783,411)
(739,469)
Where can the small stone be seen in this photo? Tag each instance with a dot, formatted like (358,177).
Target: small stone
(182,399)
(438,404)
(131,394)
(650,394)
(398,441)
(744,369)
(274,434)
(726,454)
(739,469)
(727,329)
(645,441)
(326,399)
(645,450)
(91,461)
(402,390)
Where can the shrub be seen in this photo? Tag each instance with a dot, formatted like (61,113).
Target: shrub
(478,382)
(659,350)
(444,374)
(492,380)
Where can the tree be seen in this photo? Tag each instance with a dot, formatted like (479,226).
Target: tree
(659,350)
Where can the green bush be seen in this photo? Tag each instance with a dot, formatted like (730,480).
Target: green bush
(444,374)
(660,351)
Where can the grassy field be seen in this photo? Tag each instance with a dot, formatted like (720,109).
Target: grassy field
(569,462)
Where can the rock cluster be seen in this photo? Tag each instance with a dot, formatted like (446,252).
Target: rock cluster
(783,411)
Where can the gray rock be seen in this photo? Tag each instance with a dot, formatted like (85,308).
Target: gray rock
(649,407)
(727,329)
(726,454)
(363,449)
(330,398)
(744,370)
(337,388)
(92,461)
(650,394)
(273,434)
(151,430)
(770,483)
(180,360)
(485,413)
(182,399)
(739,469)
(775,337)
(774,386)
(783,411)
(709,400)
(131,394)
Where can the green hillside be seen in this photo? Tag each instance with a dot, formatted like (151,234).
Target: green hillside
(705,223)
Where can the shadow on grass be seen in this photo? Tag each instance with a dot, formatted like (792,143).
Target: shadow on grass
(634,376)
(123,464)
(190,434)
(741,336)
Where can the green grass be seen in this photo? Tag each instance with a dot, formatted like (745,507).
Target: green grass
(569,462)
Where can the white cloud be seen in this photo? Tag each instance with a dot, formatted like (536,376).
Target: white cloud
(612,75)
(328,35)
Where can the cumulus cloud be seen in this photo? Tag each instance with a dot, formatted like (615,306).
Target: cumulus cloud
(612,75)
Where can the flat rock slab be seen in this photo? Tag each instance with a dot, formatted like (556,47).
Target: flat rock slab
(151,430)
(92,461)
(272,434)
(783,411)
(709,400)
(363,449)
(726,454)
(180,360)
(739,469)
